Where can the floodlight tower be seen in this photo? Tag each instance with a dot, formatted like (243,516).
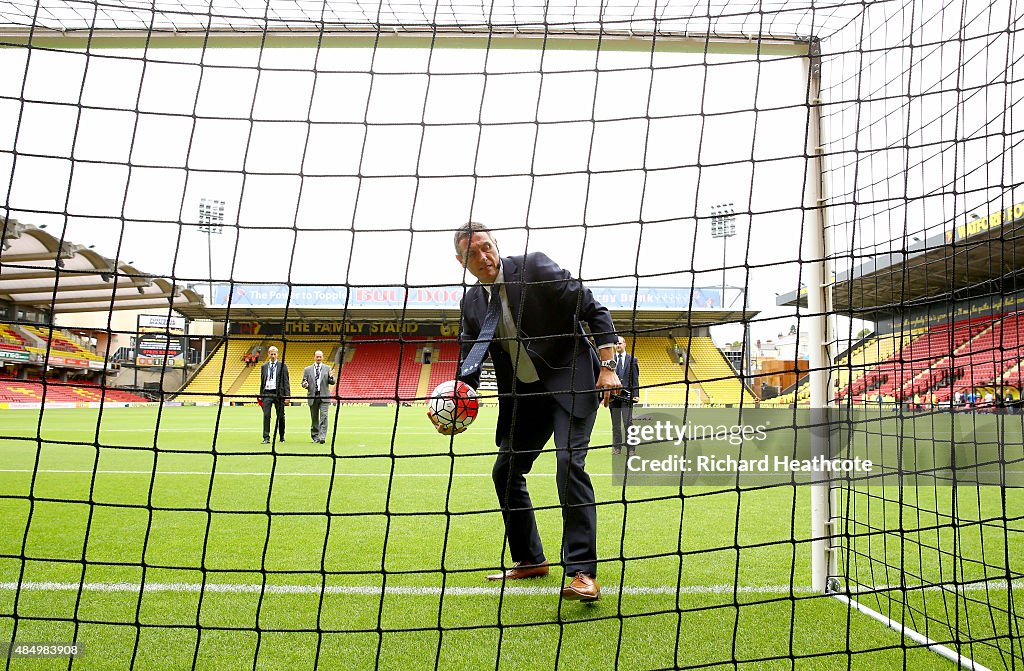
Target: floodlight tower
(211,222)
(723,225)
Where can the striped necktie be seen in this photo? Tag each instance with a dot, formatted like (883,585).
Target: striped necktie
(487,329)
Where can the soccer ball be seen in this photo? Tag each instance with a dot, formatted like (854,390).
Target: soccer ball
(454,404)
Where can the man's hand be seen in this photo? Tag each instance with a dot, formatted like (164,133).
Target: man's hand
(443,429)
(608,382)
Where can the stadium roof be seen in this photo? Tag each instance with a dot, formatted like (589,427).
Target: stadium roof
(42,272)
(632,308)
(970,259)
(624,319)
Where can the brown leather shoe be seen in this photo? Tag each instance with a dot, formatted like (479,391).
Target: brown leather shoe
(522,570)
(583,588)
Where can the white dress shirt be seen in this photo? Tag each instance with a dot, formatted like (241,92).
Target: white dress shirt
(271,384)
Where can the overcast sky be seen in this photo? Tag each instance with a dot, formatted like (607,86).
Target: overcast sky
(333,176)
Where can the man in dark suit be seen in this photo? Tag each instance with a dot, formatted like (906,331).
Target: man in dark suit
(275,388)
(621,405)
(525,313)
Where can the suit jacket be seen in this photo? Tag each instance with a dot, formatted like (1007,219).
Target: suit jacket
(326,380)
(630,379)
(548,306)
(284,385)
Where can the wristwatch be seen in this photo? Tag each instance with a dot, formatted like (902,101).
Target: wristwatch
(609,364)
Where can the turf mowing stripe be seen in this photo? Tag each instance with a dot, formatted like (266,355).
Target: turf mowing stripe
(251,588)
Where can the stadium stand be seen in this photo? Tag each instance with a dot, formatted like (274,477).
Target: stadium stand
(1013,378)
(47,280)
(369,373)
(662,379)
(873,350)
(942,360)
(381,371)
(59,341)
(31,391)
(800,397)
(444,362)
(9,335)
(206,384)
(716,377)
(984,361)
(11,340)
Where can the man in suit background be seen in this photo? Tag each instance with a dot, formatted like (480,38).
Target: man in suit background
(525,313)
(275,388)
(317,380)
(621,405)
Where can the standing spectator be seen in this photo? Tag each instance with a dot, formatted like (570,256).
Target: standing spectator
(275,388)
(316,380)
(621,405)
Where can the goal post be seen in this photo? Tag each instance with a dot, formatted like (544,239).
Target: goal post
(819,359)
(404,37)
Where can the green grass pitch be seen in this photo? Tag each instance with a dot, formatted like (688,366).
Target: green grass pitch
(370,553)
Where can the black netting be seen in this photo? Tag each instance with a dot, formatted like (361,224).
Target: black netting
(198,196)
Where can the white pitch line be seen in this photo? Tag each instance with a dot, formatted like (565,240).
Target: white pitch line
(365,590)
(172,430)
(369,590)
(73,471)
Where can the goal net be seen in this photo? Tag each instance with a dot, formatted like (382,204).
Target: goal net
(801,216)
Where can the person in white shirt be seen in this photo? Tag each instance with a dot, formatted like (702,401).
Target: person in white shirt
(275,388)
(317,380)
